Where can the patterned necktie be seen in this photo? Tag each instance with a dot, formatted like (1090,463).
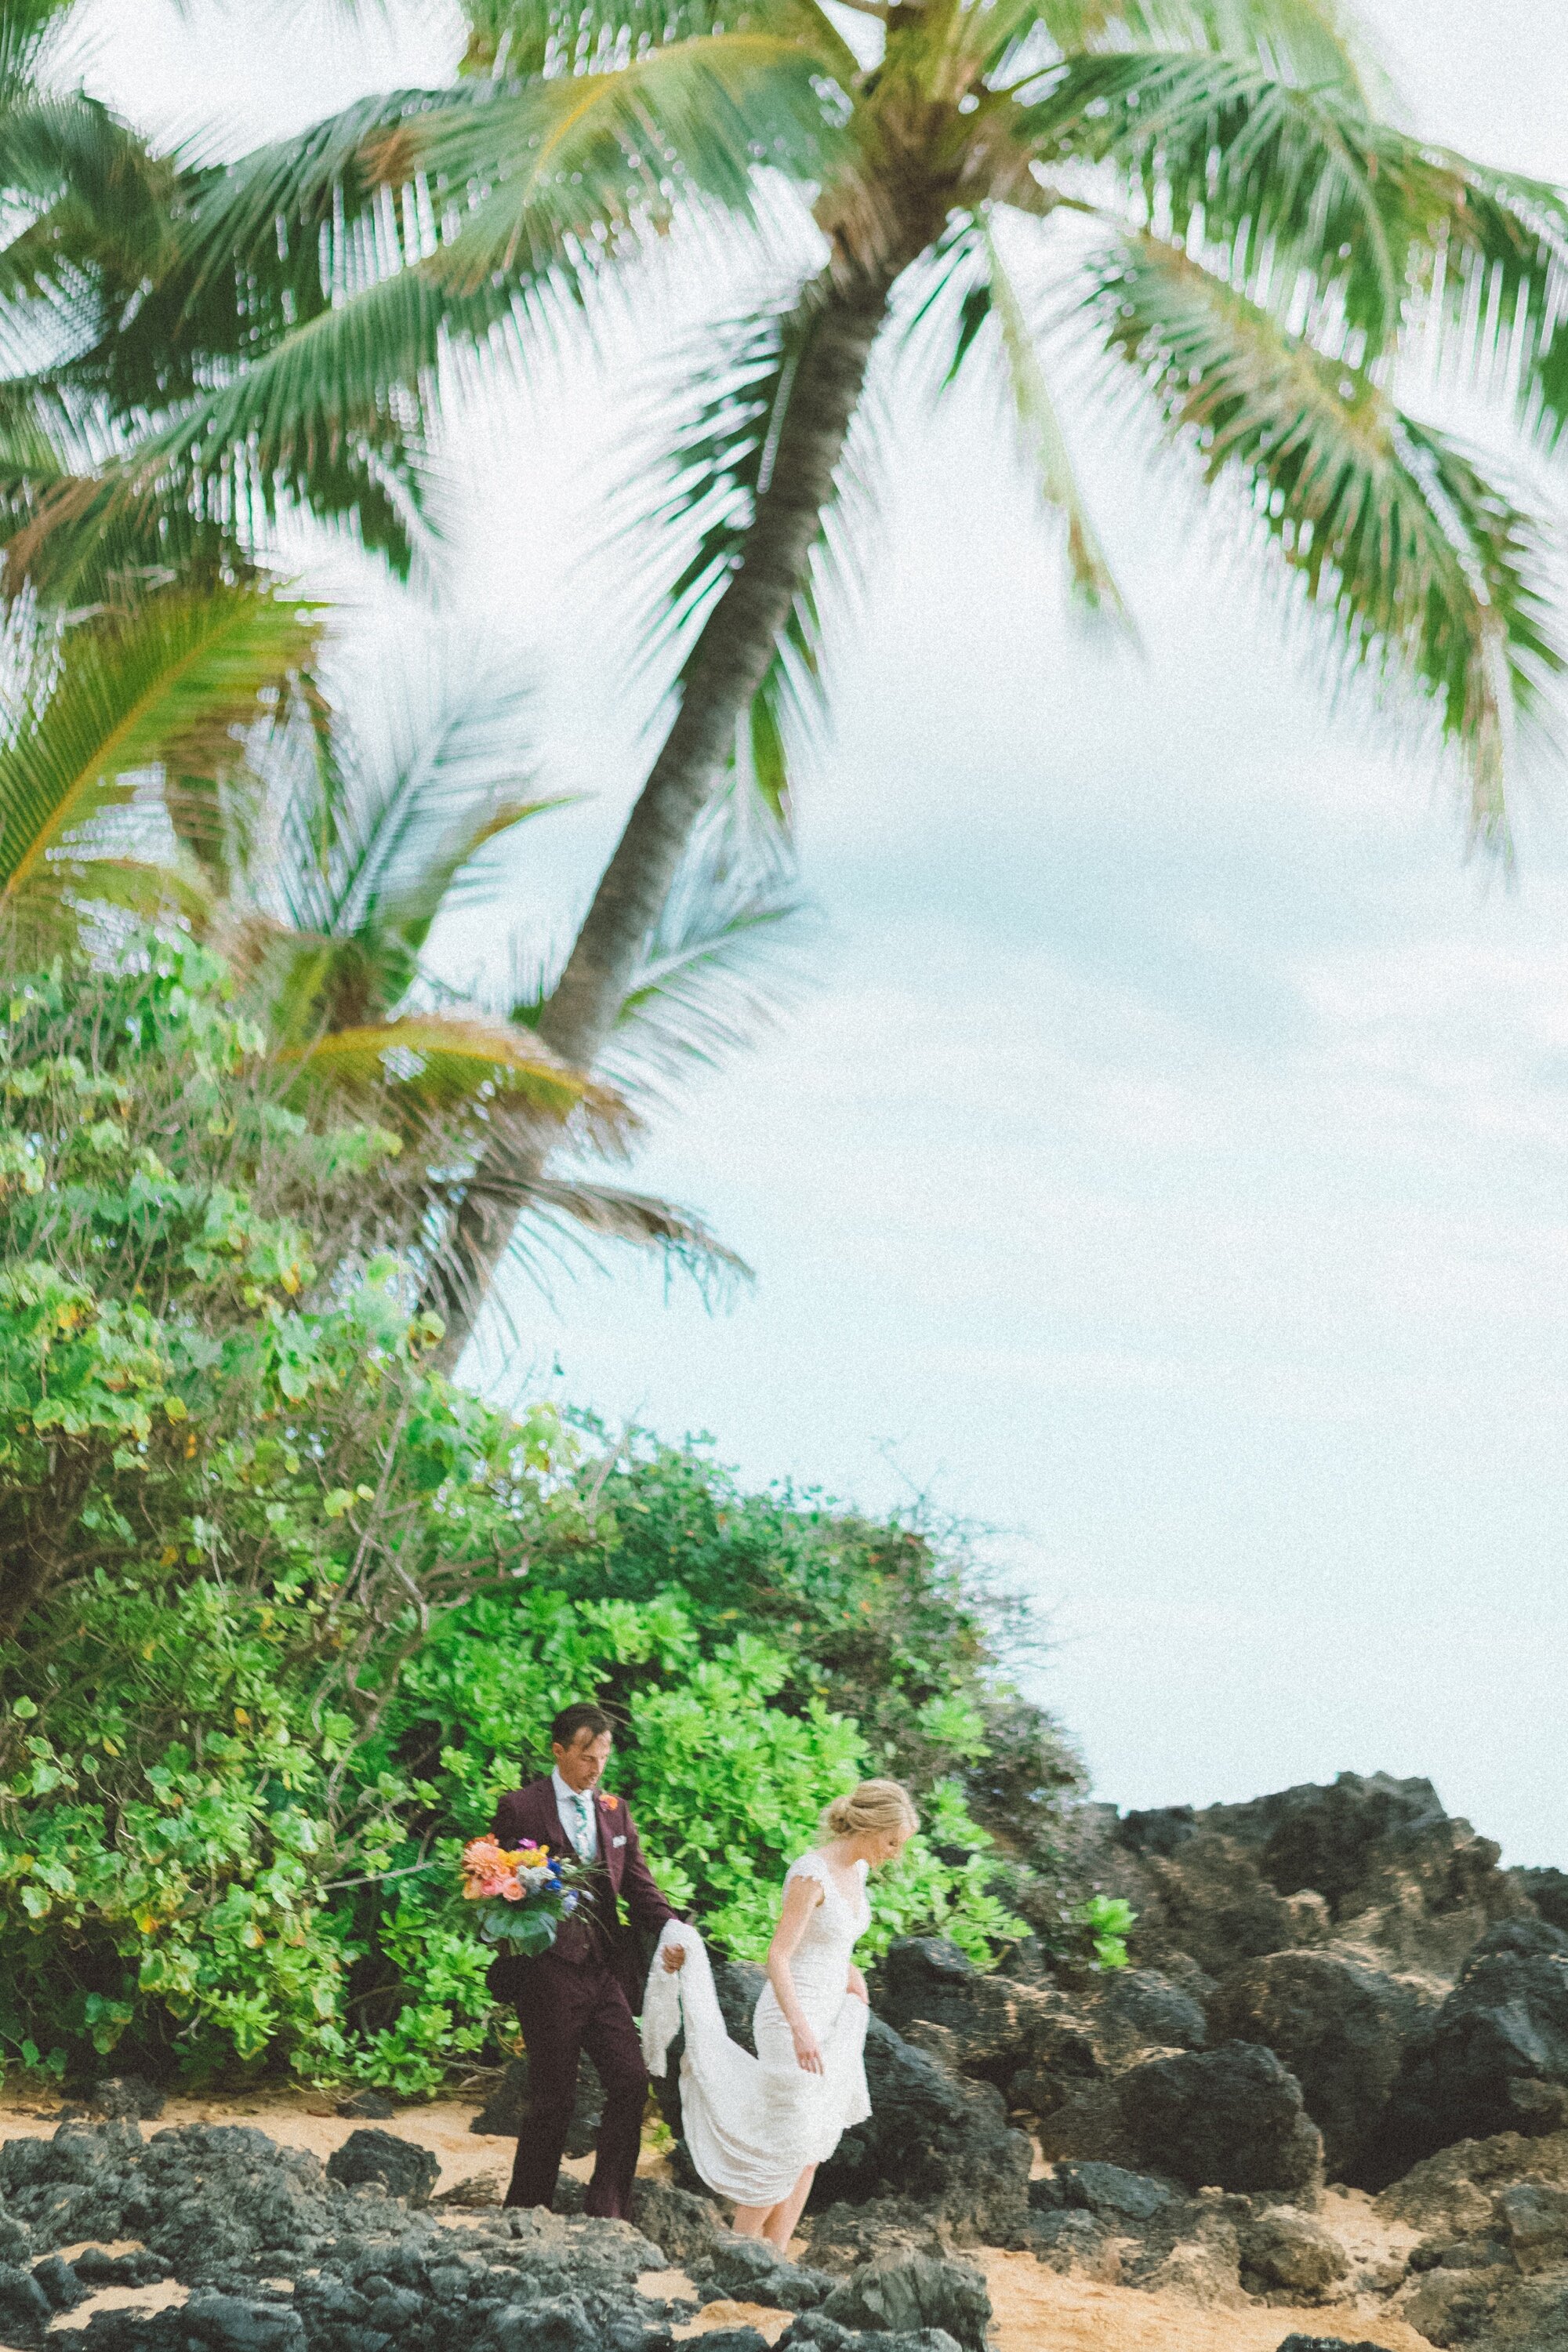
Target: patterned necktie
(588,1832)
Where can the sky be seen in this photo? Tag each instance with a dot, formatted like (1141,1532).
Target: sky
(1164,1165)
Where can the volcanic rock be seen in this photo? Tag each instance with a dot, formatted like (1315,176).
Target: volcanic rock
(368,2107)
(1548,1890)
(936,2137)
(843,2236)
(128,2095)
(1340,2027)
(1329,2344)
(750,2269)
(395,2164)
(990,2023)
(1231,2118)
(1286,2249)
(1371,1862)
(684,2224)
(1494,2058)
(905,2293)
(1152,2010)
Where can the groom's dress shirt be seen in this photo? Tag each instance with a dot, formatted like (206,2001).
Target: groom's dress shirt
(578,1817)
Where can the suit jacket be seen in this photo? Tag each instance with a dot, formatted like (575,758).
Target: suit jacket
(528,1816)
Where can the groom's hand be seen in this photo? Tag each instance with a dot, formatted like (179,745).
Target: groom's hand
(674,1957)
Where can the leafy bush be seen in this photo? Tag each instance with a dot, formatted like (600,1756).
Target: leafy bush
(281,1610)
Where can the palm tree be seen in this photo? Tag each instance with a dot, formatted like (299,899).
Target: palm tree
(1207,186)
(181,757)
(353,831)
(165,388)
(1219,210)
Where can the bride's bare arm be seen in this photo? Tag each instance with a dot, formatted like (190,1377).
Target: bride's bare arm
(801,1898)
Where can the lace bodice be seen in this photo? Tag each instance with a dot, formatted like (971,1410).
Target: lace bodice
(836,1925)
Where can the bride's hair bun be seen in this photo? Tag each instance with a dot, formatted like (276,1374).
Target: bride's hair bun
(874,1805)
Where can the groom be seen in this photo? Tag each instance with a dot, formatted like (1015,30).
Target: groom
(578,1995)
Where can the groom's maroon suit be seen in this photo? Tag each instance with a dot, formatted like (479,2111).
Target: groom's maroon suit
(578,1996)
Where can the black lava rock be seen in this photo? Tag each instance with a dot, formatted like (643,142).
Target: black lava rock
(1158,2012)
(1227,2118)
(815,2333)
(1340,2028)
(1113,2195)
(749,2270)
(367,2107)
(1548,1890)
(393,2164)
(24,2309)
(904,2296)
(1327,2343)
(60,2283)
(208,2323)
(686,2226)
(128,2095)
(935,2137)
(1495,2057)
(96,2268)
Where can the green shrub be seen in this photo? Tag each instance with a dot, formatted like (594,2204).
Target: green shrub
(281,1610)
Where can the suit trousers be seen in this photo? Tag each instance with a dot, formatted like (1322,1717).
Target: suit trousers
(564,2010)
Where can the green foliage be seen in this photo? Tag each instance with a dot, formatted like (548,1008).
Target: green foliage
(1109,1920)
(281,1610)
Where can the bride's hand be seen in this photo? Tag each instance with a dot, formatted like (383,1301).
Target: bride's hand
(807,2053)
(856,1987)
(674,1957)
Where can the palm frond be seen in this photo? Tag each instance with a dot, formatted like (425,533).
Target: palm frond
(1304,198)
(1314,43)
(435,1065)
(721,964)
(331,419)
(166,686)
(556,164)
(1427,569)
(510,39)
(28,29)
(1043,448)
(555,1221)
(104,196)
(380,813)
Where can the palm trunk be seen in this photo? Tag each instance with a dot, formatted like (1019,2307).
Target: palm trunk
(845,311)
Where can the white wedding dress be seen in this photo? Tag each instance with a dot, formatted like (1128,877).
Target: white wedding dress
(753,2125)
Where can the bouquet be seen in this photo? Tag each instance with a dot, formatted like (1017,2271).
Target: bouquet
(525,1894)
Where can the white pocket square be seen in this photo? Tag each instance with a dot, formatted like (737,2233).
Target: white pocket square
(618,1841)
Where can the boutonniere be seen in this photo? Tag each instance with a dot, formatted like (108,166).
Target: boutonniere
(609,1803)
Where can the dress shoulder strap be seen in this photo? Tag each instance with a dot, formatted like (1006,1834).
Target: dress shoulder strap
(812,1866)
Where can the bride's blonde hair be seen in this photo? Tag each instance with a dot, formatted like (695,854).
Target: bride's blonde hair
(874,1805)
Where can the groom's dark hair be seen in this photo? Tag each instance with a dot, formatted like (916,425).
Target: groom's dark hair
(583,1716)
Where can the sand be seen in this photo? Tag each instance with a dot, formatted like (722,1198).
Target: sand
(1036,2311)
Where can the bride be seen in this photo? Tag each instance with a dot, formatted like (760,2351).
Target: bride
(758,2127)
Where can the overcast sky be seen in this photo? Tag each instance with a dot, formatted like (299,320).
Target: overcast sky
(1168,1165)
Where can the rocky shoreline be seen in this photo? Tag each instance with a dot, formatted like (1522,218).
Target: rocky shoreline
(1336,2079)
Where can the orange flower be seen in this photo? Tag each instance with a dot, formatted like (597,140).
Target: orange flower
(606,1800)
